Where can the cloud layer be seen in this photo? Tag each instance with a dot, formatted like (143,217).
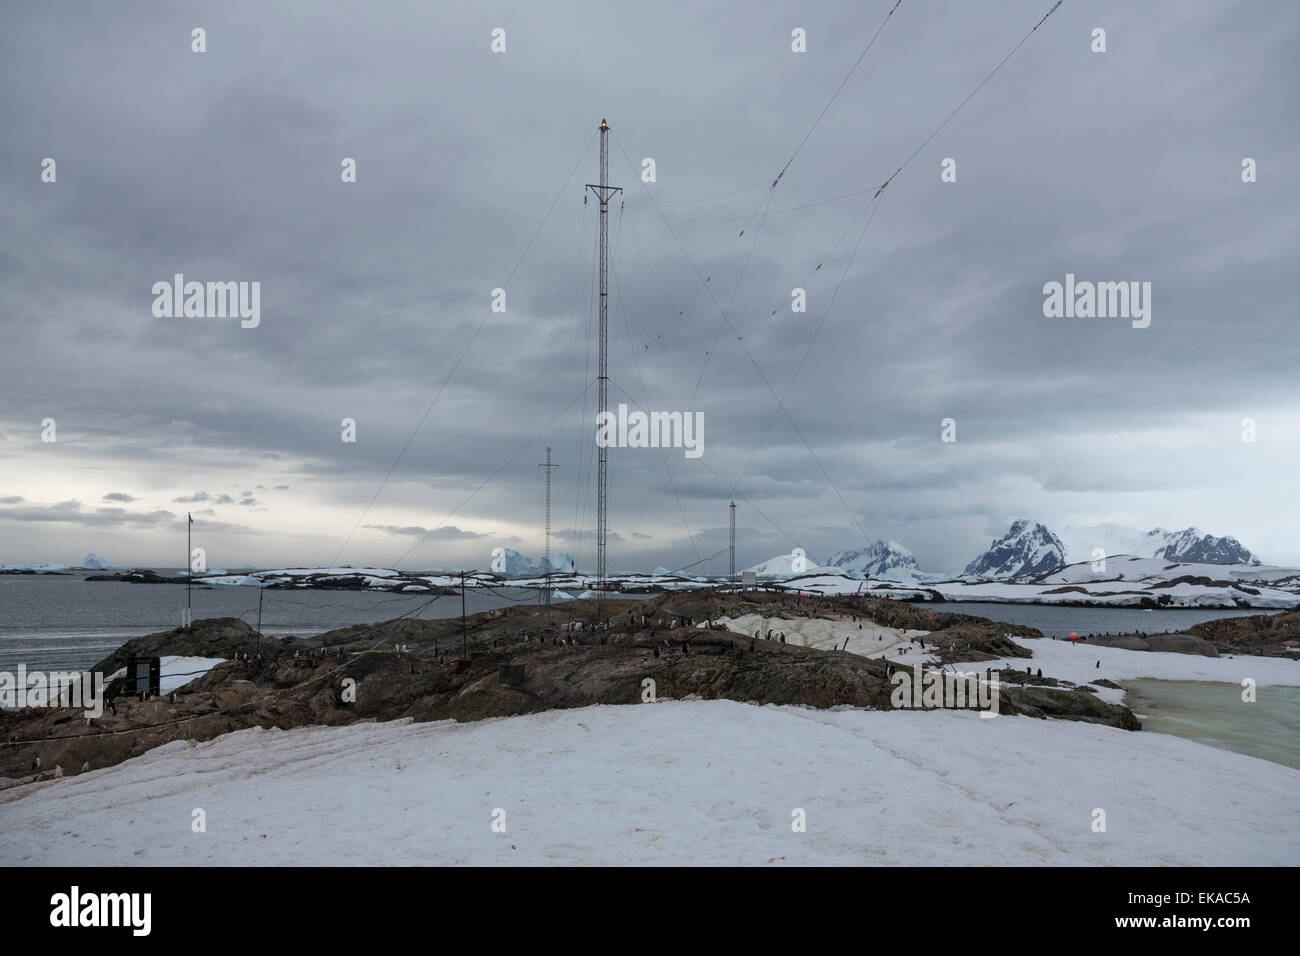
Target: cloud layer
(375,295)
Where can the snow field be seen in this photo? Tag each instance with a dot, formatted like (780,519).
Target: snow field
(671,783)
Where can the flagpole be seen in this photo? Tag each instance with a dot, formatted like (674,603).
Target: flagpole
(189,524)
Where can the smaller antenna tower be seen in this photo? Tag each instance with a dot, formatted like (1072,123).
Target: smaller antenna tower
(546,589)
(732,574)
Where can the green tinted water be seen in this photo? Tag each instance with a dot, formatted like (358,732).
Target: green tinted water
(1214,714)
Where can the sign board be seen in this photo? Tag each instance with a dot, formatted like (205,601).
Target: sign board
(144,675)
(749,578)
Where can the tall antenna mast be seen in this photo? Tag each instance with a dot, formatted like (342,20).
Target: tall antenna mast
(603,193)
(732,575)
(546,599)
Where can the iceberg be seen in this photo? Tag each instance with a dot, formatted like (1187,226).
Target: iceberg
(520,566)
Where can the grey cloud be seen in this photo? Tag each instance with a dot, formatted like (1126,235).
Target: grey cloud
(372,290)
(71,512)
(445,532)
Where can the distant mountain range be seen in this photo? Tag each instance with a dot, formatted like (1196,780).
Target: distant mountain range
(1030,548)
(1027,549)
(1190,544)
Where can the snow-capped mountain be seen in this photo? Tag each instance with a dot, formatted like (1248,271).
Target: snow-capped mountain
(888,560)
(1027,548)
(1192,545)
(1188,545)
(788,565)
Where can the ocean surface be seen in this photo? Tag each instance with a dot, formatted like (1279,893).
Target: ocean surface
(1214,714)
(64,622)
(1056,621)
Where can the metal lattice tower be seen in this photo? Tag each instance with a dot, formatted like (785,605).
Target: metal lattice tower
(546,599)
(732,574)
(603,193)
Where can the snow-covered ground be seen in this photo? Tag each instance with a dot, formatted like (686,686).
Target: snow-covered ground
(1077,662)
(176,672)
(864,637)
(672,783)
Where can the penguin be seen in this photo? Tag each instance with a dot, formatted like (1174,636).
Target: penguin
(58,772)
(751,646)
(85,766)
(36,762)
(656,652)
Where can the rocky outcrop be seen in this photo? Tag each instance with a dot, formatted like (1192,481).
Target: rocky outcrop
(1275,635)
(140,576)
(409,668)
(1072,705)
(1176,643)
(211,637)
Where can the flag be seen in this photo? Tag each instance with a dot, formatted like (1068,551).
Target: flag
(190,516)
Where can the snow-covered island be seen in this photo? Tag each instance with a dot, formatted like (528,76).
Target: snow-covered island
(1126,582)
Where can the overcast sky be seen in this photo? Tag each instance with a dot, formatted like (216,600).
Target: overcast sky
(226,166)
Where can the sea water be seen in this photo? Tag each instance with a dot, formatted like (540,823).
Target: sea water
(1213,713)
